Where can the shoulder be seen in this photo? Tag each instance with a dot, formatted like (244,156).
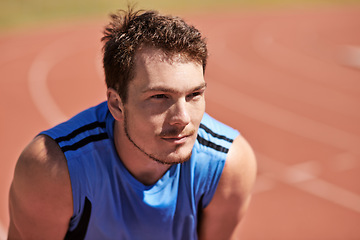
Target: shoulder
(240,161)
(44,157)
(215,137)
(240,169)
(90,125)
(213,126)
(41,190)
(232,196)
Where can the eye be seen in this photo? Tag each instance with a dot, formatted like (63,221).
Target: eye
(194,95)
(159,96)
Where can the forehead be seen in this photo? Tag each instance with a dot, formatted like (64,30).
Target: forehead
(148,55)
(153,68)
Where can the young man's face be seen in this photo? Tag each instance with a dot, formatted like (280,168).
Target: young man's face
(165,105)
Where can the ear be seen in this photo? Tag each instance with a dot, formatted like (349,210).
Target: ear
(115,104)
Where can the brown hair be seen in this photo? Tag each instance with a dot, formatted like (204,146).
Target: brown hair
(131,30)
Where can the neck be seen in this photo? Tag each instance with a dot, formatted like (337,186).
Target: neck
(141,166)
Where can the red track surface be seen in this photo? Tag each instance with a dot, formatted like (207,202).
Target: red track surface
(288,80)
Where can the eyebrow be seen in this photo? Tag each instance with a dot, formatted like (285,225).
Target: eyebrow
(172,90)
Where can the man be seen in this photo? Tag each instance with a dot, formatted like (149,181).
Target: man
(148,163)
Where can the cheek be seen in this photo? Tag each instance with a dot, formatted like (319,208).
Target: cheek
(145,125)
(198,112)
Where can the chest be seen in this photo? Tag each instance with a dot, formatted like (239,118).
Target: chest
(128,210)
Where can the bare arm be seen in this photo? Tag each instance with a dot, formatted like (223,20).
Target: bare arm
(40,199)
(232,196)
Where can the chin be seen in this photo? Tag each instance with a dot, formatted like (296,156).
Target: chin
(181,154)
(173,158)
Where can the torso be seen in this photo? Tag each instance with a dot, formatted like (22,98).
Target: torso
(113,204)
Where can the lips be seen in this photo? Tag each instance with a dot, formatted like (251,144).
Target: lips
(177,139)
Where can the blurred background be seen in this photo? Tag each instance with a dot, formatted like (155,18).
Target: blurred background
(25,13)
(286,73)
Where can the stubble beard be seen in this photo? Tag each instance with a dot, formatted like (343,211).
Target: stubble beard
(151,156)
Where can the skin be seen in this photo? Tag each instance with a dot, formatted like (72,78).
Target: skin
(222,218)
(40,199)
(154,129)
(162,114)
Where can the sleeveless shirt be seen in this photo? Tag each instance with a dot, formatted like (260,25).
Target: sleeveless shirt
(109,203)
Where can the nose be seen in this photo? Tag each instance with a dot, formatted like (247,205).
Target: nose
(179,113)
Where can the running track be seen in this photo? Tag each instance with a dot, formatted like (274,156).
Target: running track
(288,80)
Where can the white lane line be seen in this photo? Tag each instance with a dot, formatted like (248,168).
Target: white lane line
(99,67)
(266,46)
(301,172)
(3,232)
(296,88)
(263,184)
(332,193)
(47,58)
(235,101)
(304,177)
(37,78)
(39,91)
(350,56)
(343,162)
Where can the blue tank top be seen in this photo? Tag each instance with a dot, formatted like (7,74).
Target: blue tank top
(109,203)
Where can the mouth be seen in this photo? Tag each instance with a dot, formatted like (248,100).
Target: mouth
(177,139)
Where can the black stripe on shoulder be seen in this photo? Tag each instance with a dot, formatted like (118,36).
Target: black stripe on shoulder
(215,134)
(84,128)
(80,231)
(212,145)
(85,141)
